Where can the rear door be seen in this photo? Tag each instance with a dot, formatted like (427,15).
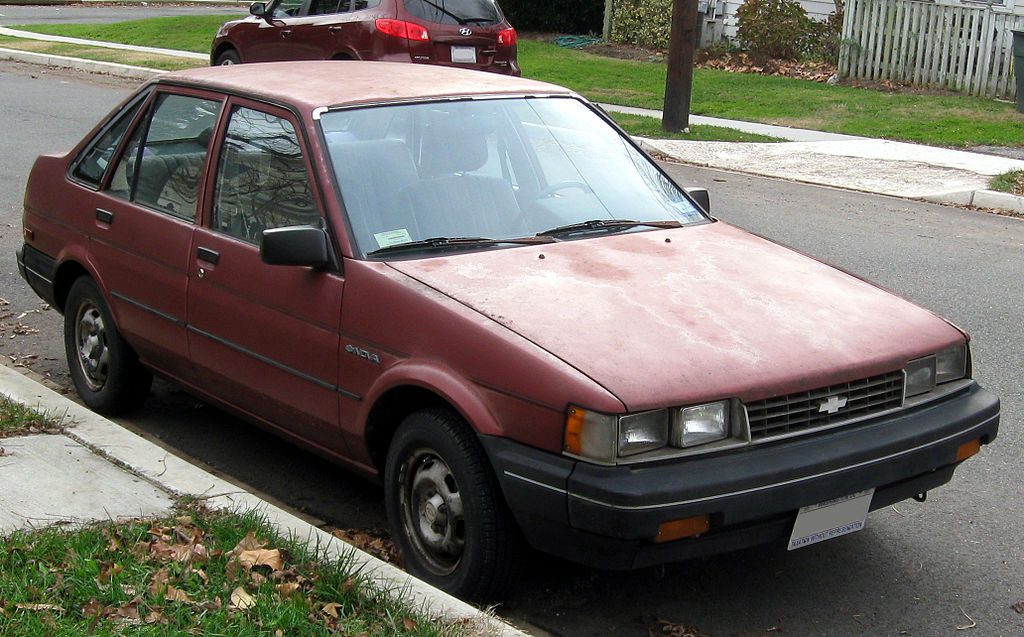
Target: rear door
(143,220)
(264,338)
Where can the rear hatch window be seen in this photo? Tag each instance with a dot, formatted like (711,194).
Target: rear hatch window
(458,12)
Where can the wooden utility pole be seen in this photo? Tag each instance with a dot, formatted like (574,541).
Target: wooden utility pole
(679,79)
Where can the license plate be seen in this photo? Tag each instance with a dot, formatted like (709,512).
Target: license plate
(464,54)
(827,520)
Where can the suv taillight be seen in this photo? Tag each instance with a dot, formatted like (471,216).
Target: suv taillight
(404,30)
(507,37)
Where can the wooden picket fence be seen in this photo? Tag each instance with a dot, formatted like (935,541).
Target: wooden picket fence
(960,48)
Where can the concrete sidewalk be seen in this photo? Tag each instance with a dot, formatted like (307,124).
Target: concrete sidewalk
(879,166)
(98,470)
(897,169)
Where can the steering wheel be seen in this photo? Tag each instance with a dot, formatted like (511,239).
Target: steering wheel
(563,185)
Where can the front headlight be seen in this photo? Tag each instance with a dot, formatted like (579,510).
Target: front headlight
(701,424)
(605,438)
(923,374)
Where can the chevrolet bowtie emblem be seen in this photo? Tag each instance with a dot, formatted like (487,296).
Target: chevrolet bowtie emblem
(832,405)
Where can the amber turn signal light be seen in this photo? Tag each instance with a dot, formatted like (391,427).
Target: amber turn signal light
(687,527)
(968,449)
(574,430)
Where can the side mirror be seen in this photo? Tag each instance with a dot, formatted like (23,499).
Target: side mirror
(701,196)
(295,245)
(258,9)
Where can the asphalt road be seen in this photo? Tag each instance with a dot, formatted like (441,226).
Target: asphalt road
(29,14)
(951,566)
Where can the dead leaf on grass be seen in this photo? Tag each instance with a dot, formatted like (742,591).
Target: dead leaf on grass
(331,609)
(261,557)
(242,600)
(287,589)
(409,624)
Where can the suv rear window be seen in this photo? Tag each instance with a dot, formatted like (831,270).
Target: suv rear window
(455,11)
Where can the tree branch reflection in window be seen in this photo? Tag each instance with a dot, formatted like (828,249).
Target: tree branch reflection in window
(262,181)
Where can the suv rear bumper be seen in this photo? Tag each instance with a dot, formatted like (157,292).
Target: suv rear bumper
(608,516)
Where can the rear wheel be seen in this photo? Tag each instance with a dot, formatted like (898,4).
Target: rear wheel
(104,369)
(227,57)
(446,510)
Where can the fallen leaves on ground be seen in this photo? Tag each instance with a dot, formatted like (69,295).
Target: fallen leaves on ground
(672,629)
(815,71)
(376,542)
(1019,606)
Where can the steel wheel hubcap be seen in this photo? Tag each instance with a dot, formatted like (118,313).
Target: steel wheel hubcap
(91,343)
(432,513)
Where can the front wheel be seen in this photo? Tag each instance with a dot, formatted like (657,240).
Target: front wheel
(104,369)
(446,510)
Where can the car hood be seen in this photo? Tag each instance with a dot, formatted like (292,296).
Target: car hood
(691,314)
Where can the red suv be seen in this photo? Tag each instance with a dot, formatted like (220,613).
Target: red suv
(468,33)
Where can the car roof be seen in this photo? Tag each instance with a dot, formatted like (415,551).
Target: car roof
(314,84)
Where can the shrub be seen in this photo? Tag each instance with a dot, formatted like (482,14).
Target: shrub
(559,16)
(778,29)
(642,22)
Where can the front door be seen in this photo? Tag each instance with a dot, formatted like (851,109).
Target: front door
(262,337)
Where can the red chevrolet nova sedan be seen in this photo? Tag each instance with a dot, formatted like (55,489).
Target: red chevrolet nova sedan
(479,291)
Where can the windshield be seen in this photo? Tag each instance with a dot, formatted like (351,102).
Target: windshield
(454,11)
(494,169)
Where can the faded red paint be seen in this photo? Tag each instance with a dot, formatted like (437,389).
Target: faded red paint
(683,316)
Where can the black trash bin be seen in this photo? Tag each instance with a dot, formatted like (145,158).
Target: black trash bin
(1018,67)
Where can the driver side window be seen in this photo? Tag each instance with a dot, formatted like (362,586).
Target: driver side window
(288,8)
(261,180)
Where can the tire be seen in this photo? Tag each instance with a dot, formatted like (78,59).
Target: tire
(105,370)
(446,510)
(228,57)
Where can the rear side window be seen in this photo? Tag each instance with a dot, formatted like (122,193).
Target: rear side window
(455,11)
(96,158)
(162,166)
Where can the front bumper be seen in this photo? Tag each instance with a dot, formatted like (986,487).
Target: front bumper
(608,516)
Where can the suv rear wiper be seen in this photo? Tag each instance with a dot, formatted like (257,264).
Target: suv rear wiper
(444,242)
(605,224)
(448,13)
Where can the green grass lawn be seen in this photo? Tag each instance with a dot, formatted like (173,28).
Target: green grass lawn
(199,573)
(1012,182)
(187,33)
(931,119)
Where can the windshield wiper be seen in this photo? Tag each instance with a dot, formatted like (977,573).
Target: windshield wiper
(434,243)
(605,224)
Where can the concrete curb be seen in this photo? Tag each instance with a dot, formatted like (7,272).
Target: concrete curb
(79,64)
(165,470)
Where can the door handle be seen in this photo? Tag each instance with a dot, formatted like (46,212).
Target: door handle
(286,33)
(208,255)
(335,29)
(105,216)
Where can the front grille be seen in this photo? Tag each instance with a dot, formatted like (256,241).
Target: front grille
(803,411)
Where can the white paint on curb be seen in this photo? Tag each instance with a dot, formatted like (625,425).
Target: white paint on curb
(177,476)
(29,35)
(78,64)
